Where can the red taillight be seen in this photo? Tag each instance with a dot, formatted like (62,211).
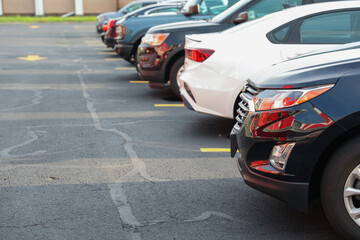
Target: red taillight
(198,55)
(105,27)
(111,23)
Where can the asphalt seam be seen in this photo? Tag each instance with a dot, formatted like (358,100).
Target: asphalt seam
(117,191)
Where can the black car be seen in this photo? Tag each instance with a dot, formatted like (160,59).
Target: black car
(163,62)
(298,133)
(128,8)
(108,37)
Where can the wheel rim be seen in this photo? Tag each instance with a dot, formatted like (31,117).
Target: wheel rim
(181,70)
(352,195)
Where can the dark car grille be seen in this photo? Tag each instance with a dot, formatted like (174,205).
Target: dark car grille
(246,95)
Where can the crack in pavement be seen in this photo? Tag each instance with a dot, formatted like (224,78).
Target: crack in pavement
(117,191)
(202,217)
(32,137)
(208,214)
(35,101)
(26,226)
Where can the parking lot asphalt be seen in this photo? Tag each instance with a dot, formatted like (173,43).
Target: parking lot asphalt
(88,151)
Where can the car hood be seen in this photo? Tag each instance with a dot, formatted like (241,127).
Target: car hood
(312,69)
(181,26)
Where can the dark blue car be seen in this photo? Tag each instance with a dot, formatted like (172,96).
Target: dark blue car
(298,133)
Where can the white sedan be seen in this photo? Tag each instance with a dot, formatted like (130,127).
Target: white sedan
(218,64)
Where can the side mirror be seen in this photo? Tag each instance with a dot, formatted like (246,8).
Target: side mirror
(242,17)
(193,10)
(124,12)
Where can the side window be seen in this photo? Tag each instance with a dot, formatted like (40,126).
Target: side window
(164,10)
(134,7)
(265,7)
(214,7)
(331,28)
(280,34)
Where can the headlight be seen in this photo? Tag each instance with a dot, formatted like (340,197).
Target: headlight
(120,31)
(154,39)
(277,99)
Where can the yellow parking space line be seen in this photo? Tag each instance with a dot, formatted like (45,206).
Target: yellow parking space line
(125,68)
(34,26)
(139,81)
(114,59)
(169,105)
(96,45)
(107,53)
(100,49)
(215,150)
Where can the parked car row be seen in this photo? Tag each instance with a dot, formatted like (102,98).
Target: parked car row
(288,74)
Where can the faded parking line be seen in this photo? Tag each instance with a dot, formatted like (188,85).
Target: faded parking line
(169,105)
(114,59)
(125,68)
(96,45)
(21,86)
(107,53)
(73,115)
(52,72)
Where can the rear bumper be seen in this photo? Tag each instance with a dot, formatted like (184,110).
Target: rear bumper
(109,41)
(293,193)
(99,28)
(103,37)
(155,78)
(124,50)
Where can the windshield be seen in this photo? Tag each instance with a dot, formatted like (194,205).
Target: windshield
(230,11)
(188,4)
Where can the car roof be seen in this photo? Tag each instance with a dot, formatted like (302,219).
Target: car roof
(293,13)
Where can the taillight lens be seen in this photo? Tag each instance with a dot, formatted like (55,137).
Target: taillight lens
(105,26)
(278,99)
(120,31)
(199,54)
(154,39)
(111,23)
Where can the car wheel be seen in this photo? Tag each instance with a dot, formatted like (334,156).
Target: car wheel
(340,190)
(176,70)
(135,60)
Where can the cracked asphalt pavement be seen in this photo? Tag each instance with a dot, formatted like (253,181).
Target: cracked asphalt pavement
(85,154)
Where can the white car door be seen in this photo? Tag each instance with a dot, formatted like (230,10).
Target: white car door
(319,31)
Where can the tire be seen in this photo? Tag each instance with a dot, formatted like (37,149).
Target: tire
(176,69)
(339,174)
(136,60)
(135,57)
